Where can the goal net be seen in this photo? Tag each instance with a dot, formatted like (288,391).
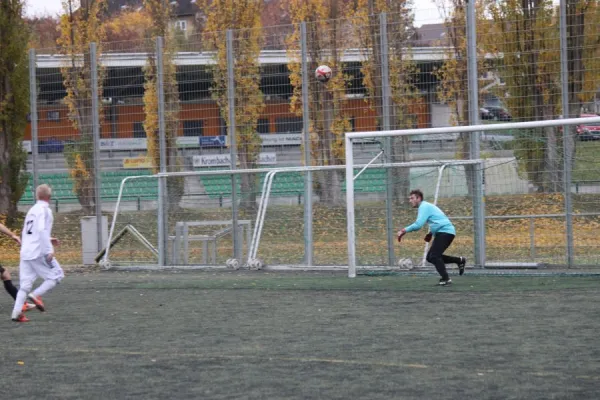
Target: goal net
(195,213)
(519,206)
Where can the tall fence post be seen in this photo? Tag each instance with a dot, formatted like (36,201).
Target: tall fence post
(386,125)
(162,182)
(33,116)
(473,90)
(308,209)
(237,250)
(96,139)
(567,130)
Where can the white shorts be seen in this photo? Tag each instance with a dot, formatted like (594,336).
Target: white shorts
(30,270)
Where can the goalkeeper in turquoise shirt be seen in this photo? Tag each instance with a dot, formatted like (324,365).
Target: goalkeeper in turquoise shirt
(442,231)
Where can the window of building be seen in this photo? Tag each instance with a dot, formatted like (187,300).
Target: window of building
(110,113)
(262,126)
(222,127)
(289,125)
(193,128)
(138,130)
(53,116)
(181,25)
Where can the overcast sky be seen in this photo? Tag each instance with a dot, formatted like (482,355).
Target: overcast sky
(425,10)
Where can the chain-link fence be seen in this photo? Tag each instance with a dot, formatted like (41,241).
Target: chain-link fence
(243,99)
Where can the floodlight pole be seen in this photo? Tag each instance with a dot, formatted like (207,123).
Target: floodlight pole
(308,179)
(33,116)
(386,125)
(477,175)
(162,182)
(237,250)
(96,143)
(567,132)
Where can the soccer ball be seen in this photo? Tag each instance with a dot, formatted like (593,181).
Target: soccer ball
(233,263)
(323,73)
(255,264)
(405,263)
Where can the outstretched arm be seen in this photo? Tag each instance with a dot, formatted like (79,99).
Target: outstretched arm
(10,233)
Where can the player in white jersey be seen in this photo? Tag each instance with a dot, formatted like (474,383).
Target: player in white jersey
(37,254)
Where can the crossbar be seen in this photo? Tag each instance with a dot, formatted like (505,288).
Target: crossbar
(475,128)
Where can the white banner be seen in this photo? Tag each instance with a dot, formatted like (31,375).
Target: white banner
(267,158)
(224,160)
(188,141)
(274,139)
(211,160)
(123,144)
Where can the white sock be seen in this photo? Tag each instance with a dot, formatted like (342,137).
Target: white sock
(20,300)
(45,287)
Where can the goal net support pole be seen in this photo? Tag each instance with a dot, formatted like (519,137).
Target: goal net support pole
(435,199)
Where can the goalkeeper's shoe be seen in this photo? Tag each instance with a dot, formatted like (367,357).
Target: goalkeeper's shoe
(20,318)
(461,265)
(444,282)
(37,300)
(28,306)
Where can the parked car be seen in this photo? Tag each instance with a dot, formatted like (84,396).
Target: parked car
(495,113)
(485,113)
(588,131)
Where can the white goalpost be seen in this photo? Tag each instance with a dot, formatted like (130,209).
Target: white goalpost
(350,195)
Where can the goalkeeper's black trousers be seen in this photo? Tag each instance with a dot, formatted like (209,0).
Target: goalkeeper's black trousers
(441,242)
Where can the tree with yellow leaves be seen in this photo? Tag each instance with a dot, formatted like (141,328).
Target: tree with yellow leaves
(159,13)
(366,16)
(529,43)
(244,18)
(128,28)
(453,74)
(583,52)
(531,52)
(80,26)
(14,105)
(327,33)
(527,36)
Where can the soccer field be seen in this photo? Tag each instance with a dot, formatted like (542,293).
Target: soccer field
(276,335)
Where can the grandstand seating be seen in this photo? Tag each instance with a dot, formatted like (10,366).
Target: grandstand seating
(291,183)
(371,180)
(62,186)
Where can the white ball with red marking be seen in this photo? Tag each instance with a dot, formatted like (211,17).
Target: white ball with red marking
(323,73)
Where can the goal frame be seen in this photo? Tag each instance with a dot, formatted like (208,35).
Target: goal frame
(265,195)
(349,137)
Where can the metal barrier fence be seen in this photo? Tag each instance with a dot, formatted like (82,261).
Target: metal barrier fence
(236,94)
